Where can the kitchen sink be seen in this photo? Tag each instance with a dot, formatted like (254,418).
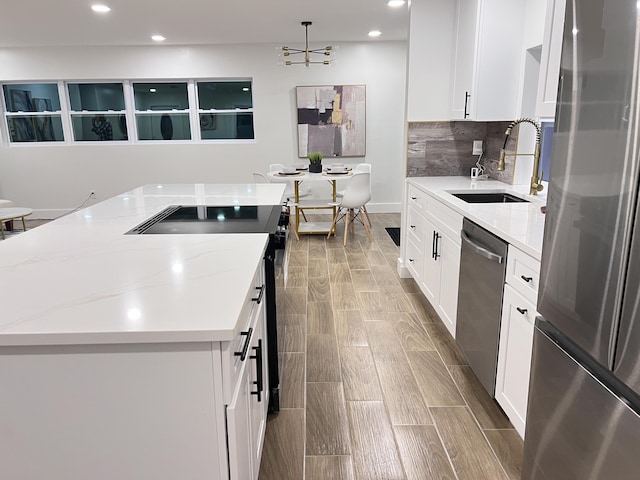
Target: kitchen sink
(488,197)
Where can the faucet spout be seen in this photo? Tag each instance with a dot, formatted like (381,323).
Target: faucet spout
(536,179)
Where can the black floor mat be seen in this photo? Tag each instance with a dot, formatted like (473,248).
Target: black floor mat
(394,233)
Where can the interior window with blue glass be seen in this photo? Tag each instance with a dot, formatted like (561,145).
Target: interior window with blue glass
(225,110)
(32,112)
(98,112)
(162,111)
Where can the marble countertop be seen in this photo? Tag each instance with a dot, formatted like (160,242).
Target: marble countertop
(520,223)
(80,280)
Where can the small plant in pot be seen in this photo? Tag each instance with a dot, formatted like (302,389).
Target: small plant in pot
(315,162)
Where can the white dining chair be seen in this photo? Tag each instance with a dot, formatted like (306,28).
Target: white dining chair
(356,195)
(360,168)
(260,178)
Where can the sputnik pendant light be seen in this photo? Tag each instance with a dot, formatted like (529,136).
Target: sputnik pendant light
(326,51)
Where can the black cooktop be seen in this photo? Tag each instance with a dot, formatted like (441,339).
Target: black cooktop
(203,219)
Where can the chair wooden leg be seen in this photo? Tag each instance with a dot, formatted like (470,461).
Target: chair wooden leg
(352,215)
(364,209)
(366,229)
(292,225)
(346,228)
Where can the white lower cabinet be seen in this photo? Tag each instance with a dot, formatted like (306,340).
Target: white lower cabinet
(514,357)
(516,336)
(432,253)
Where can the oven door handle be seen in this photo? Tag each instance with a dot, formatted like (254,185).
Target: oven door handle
(489,255)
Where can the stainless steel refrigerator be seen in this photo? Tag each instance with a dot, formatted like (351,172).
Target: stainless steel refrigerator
(583,419)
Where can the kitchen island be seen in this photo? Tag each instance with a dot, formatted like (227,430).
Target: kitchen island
(117,352)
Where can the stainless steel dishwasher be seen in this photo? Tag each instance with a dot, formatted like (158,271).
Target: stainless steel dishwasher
(483,263)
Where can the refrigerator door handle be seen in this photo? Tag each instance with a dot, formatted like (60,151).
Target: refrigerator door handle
(489,255)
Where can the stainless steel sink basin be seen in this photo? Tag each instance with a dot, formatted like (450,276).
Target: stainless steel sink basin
(488,197)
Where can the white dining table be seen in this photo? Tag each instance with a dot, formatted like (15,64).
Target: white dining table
(310,228)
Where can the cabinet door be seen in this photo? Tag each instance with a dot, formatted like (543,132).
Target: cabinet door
(239,429)
(431,268)
(449,259)
(550,59)
(514,356)
(415,261)
(465,54)
(258,382)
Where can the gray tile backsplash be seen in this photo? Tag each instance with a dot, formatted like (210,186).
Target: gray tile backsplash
(444,148)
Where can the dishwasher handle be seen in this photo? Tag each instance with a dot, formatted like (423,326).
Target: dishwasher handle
(489,255)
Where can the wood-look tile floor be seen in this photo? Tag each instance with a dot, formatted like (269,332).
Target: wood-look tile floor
(372,384)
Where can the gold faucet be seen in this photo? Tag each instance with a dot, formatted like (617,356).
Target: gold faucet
(536,180)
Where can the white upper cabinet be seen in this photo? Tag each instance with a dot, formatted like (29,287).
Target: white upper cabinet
(550,59)
(488,55)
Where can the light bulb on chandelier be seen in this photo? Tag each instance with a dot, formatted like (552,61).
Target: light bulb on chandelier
(308,55)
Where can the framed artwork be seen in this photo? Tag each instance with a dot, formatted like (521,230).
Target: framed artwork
(331,120)
(21,101)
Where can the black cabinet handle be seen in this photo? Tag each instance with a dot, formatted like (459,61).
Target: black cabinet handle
(521,310)
(260,380)
(243,353)
(412,226)
(414,198)
(258,299)
(466,103)
(526,279)
(433,245)
(411,260)
(435,251)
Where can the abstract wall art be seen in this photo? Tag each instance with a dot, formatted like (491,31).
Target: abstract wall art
(331,120)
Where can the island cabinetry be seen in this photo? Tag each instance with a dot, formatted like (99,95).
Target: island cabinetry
(486,69)
(433,251)
(550,59)
(516,336)
(138,408)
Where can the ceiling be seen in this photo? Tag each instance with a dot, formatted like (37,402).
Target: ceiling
(192,22)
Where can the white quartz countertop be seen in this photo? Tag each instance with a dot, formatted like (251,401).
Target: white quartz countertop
(519,223)
(80,280)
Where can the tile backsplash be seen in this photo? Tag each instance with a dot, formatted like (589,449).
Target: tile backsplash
(436,149)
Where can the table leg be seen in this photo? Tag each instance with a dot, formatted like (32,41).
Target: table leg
(2,229)
(296,196)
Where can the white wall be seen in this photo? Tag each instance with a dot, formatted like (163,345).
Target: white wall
(55,178)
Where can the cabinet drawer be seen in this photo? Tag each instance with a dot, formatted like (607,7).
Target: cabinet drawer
(416,198)
(415,227)
(415,261)
(523,274)
(446,219)
(232,352)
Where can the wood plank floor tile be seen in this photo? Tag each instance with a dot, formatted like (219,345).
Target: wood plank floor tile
(411,336)
(320,318)
(344,297)
(371,302)
(363,281)
(299,245)
(283,451)
(339,273)
(483,407)
(336,255)
(422,453)
(422,307)
(508,447)
(350,329)
(445,344)
(319,289)
(327,427)
(297,276)
(359,375)
(375,257)
(470,454)
(292,300)
(436,385)
(409,285)
(375,455)
(292,333)
(318,268)
(397,302)
(292,382)
(300,259)
(402,395)
(357,261)
(317,249)
(384,342)
(323,364)
(329,467)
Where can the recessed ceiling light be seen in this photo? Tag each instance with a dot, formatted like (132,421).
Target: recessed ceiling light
(158,38)
(152,90)
(100,8)
(396,3)
(245,89)
(375,33)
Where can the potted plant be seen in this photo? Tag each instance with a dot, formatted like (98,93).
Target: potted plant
(315,162)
